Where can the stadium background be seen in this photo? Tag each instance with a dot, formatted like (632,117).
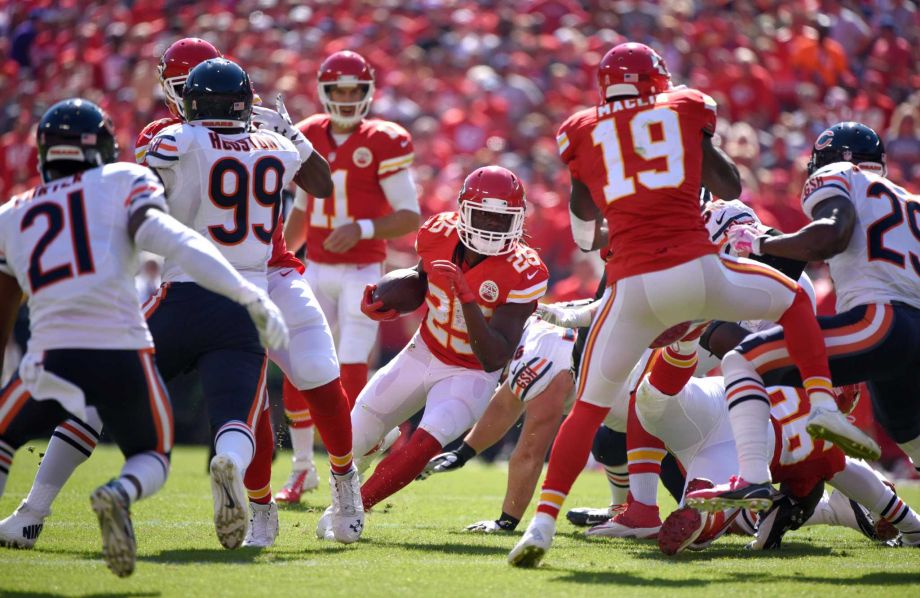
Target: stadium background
(479,82)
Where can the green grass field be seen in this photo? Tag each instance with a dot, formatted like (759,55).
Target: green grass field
(415,546)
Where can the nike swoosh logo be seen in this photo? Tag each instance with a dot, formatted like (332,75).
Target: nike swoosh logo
(286,272)
(531,275)
(230,502)
(404,143)
(720,218)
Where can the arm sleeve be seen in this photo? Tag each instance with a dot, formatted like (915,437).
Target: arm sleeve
(162,234)
(400,191)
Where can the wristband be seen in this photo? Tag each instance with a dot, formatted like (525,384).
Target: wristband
(757,245)
(303,146)
(507,522)
(465,452)
(367,228)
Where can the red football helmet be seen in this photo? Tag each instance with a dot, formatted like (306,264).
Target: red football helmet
(346,69)
(492,205)
(632,70)
(178,59)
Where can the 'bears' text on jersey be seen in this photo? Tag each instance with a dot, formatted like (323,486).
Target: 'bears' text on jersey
(517,277)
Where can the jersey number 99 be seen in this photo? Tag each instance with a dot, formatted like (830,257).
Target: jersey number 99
(236,198)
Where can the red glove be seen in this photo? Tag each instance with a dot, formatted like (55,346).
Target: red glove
(454,274)
(371,307)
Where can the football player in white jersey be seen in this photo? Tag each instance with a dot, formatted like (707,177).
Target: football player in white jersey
(71,246)
(868,230)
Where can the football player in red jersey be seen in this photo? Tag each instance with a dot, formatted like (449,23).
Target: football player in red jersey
(638,159)
(374,199)
(309,361)
(483,283)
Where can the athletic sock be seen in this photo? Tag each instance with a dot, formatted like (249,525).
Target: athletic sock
(330,411)
(235,440)
(6,461)
(644,453)
(569,455)
(302,444)
(674,367)
(258,478)
(354,378)
(143,474)
(400,467)
(71,444)
(805,341)
(749,415)
(618,478)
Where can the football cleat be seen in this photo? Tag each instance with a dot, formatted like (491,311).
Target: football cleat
(680,530)
(348,507)
(119,548)
(231,521)
(263,525)
(304,480)
(632,520)
(588,517)
(22,528)
(785,514)
(737,493)
(534,545)
(833,426)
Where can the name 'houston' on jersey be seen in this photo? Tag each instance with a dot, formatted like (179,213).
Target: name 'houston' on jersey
(517,277)
(641,159)
(68,246)
(882,261)
(226,187)
(377,149)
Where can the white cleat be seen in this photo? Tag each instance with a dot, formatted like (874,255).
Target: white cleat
(535,543)
(348,508)
(22,528)
(263,525)
(231,521)
(833,426)
(119,548)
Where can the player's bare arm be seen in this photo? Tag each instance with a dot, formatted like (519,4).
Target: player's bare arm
(295,229)
(10,298)
(589,227)
(314,177)
(720,175)
(390,226)
(825,237)
(504,409)
(494,342)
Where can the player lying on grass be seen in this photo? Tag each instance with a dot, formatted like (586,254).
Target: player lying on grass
(539,385)
(480,283)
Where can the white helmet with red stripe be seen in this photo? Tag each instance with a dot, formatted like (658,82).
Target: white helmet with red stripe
(346,69)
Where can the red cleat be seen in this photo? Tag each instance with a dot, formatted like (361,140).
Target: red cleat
(305,480)
(737,493)
(632,520)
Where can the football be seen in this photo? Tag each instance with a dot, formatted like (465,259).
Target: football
(403,290)
(674,333)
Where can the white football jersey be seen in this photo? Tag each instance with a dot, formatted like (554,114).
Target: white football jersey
(543,352)
(67,244)
(226,187)
(882,261)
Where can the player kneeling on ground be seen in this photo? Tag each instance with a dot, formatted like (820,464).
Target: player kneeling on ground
(480,284)
(90,347)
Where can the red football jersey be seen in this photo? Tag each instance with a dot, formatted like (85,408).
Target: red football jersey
(641,159)
(518,277)
(374,151)
(799,460)
(280,258)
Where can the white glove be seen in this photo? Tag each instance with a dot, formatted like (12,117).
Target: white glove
(279,121)
(273,332)
(568,315)
(745,239)
(485,527)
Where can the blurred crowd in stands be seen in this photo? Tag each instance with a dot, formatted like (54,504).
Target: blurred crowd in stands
(489,81)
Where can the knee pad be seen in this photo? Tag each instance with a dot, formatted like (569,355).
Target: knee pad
(448,421)
(650,401)
(312,360)
(367,430)
(609,447)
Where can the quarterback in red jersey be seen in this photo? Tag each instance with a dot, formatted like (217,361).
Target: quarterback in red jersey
(637,160)
(482,285)
(345,231)
(309,361)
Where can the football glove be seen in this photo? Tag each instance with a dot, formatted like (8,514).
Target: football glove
(567,314)
(370,308)
(454,275)
(745,239)
(279,121)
